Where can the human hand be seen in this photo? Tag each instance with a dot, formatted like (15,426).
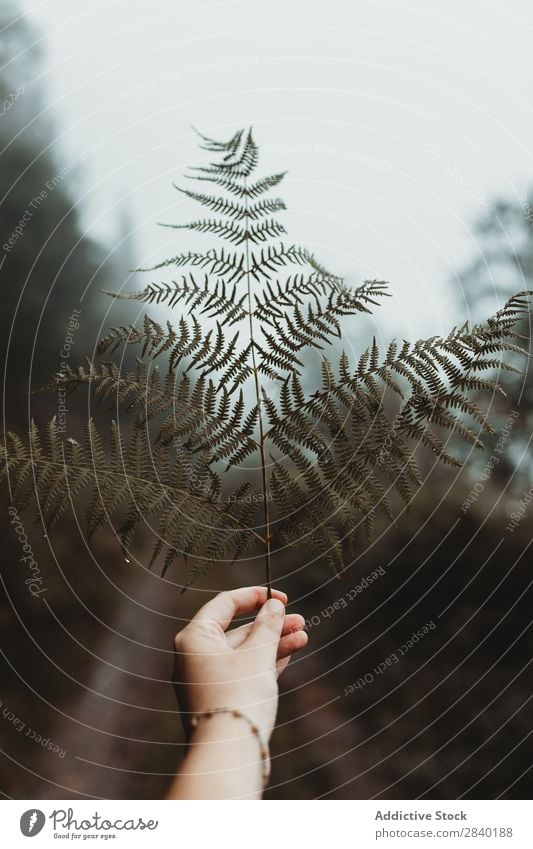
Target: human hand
(236,669)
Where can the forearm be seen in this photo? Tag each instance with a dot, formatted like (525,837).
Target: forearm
(223,762)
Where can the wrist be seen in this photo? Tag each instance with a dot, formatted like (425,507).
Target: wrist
(218,725)
(235,736)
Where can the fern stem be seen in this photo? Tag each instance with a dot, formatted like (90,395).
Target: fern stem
(266,516)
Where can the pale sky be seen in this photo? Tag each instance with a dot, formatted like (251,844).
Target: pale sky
(397,122)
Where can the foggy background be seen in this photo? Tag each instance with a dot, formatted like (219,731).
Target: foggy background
(406,132)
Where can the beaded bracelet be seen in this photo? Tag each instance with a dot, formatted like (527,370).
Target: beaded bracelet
(238,714)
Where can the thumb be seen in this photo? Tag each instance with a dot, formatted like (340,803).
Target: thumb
(266,630)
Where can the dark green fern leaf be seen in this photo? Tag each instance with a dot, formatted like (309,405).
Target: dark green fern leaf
(222,449)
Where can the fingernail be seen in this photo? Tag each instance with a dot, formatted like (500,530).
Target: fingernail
(274,605)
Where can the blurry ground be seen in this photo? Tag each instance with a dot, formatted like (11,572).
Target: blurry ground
(451,718)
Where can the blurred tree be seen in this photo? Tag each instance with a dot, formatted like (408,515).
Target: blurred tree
(46,262)
(504,264)
(45,271)
(505,261)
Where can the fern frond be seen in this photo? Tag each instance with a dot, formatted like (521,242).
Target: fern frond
(230,147)
(240,159)
(237,211)
(273,258)
(224,264)
(231,232)
(184,410)
(135,478)
(253,190)
(225,438)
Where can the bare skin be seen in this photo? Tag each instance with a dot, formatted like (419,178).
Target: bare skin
(217,668)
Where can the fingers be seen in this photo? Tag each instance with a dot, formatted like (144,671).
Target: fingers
(237,636)
(292,643)
(266,630)
(287,646)
(225,606)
